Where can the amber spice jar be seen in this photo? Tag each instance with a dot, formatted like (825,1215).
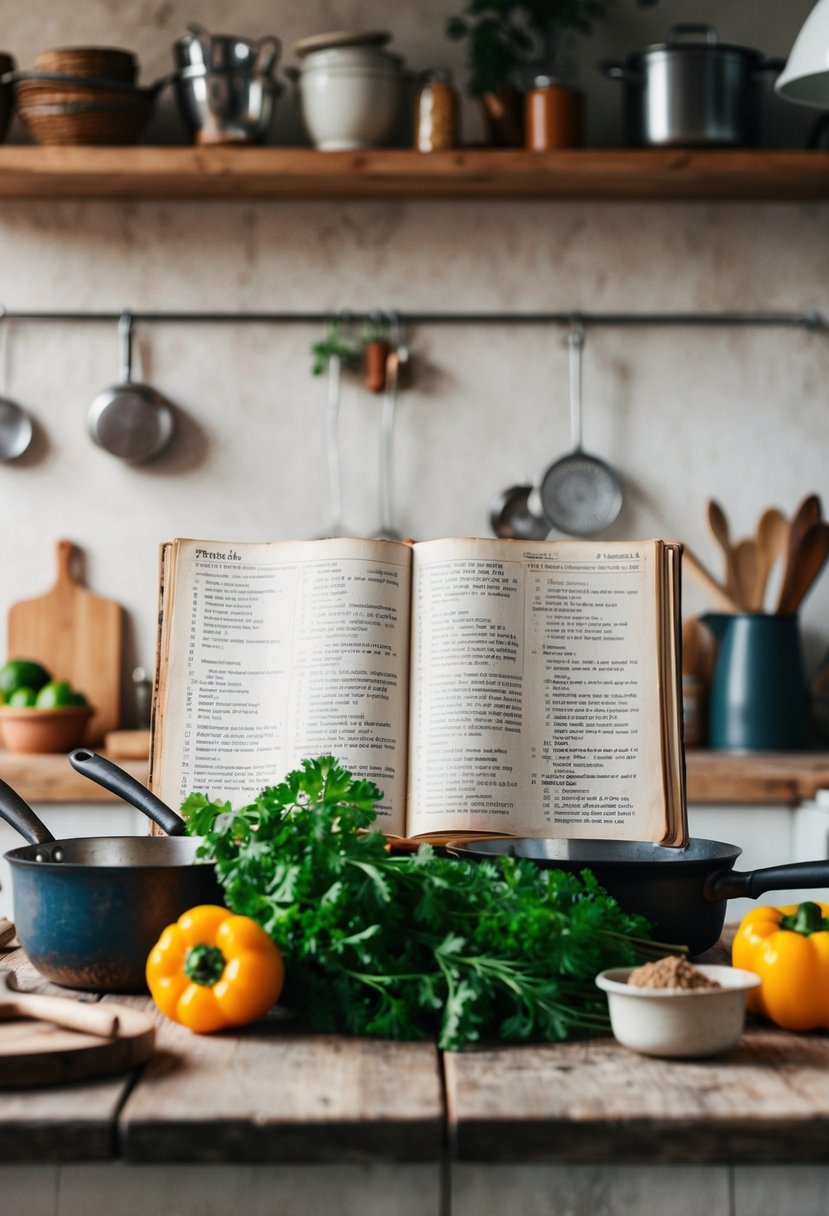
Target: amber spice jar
(552,115)
(436,120)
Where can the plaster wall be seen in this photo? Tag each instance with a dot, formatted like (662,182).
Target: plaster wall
(683,414)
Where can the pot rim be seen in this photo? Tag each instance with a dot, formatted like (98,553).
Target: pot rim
(714,49)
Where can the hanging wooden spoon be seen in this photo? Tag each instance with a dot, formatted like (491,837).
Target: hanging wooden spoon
(806,565)
(772,538)
(805,517)
(718,526)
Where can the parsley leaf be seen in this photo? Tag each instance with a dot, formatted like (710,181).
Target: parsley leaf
(411,946)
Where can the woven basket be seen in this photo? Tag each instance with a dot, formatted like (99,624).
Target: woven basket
(81,122)
(30,89)
(108,62)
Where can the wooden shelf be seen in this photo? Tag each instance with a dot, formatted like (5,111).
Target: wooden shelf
(303,173)
(50,778)
(756,778)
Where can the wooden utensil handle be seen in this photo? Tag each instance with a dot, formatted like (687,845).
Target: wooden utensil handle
(64,551)
(61,1011)
(707,581)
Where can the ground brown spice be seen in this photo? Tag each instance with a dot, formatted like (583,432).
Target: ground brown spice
(670,972)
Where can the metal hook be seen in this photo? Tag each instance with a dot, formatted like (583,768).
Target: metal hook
(125,329)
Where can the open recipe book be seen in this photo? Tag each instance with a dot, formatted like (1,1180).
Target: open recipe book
(527,688)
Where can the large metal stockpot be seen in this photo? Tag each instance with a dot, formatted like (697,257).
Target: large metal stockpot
(692,91)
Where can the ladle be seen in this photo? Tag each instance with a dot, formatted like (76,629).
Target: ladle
(580,494)
(129,420)
(515,514)
(397,356)
(16,428)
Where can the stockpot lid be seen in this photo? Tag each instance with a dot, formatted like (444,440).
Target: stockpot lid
(708,41)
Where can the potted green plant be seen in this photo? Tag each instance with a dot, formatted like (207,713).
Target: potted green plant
(510,38)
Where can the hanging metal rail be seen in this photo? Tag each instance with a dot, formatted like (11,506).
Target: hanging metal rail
(810,319)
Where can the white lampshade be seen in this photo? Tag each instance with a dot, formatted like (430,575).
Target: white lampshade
(805,78)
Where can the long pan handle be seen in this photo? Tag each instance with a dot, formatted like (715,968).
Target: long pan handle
(103,772)
(19,815)
(797,875)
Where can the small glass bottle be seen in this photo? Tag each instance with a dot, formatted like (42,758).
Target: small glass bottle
(436,112)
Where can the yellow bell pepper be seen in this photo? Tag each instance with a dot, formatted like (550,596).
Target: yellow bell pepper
(789,949)
(211,970)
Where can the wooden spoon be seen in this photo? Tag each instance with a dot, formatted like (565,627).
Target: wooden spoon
(805,517)
(744,560)
(804,569)
(707,581)
(718,526)
(772,538)
(59,1010)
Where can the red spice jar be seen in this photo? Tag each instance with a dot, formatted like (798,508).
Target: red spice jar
(553,115)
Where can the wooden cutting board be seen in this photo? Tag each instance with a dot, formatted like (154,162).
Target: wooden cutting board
(37,1053)
(78,636)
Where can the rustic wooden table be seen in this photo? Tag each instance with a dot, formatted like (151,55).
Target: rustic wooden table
(275,1120)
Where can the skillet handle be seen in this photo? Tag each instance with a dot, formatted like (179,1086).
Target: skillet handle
(113,778)
(729,884)
(21,817)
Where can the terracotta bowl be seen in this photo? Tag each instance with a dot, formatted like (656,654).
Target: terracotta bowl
(32,730)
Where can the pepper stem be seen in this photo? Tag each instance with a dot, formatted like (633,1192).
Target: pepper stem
(807,919)
(204,965)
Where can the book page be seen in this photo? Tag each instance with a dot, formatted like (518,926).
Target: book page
(271,653)
(536,689)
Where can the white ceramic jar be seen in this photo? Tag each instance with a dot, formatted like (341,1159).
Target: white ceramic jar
(351,96)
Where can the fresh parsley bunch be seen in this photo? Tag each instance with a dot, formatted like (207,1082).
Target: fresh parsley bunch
(412,946)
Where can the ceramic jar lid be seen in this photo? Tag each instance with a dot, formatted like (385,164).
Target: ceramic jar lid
(341,38)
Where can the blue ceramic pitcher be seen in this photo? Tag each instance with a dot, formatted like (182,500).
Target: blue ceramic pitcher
(758,699)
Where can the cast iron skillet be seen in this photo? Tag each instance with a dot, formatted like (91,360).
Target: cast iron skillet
(89,910)
(682,892)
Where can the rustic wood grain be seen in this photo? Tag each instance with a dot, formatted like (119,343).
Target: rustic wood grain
(595,173)
(51,778)
(765,1100)
(756,778)
(268,1094)
(58,1123)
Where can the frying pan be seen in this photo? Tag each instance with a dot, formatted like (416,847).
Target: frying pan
(89,910)
(130,420)
(580,494)
(682,892)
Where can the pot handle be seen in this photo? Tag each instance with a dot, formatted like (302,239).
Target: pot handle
(677,32)
(770,63)
(264,62)
(730,884)
(19,815)
(115,779)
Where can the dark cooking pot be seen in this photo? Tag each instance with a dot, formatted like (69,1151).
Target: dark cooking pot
(682,892)
(88,911)
(685,94)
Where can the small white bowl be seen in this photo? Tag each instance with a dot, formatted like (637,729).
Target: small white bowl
(678,1022)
